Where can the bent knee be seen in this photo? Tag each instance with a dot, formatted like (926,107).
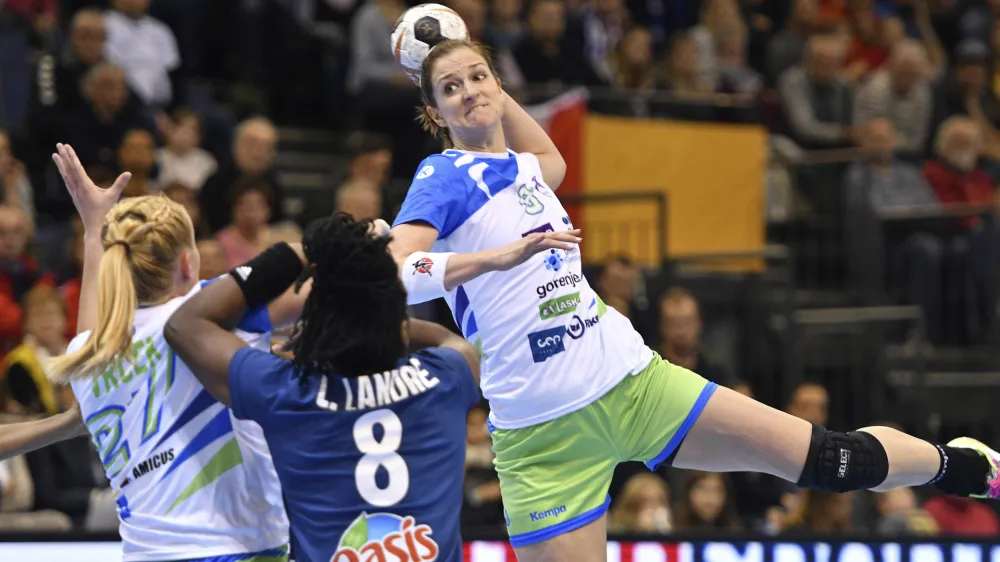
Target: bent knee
(844,462)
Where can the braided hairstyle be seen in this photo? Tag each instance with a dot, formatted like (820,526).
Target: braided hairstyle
(352,321)
(143,239)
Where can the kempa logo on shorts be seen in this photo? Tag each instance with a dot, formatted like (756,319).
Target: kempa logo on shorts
(568,280)
(558,306)
(539,515)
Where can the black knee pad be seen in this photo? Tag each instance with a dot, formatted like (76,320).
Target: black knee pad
(844,462)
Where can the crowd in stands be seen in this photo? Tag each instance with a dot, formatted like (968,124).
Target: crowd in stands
(912,86)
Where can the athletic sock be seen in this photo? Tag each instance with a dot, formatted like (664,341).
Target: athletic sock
(963,472)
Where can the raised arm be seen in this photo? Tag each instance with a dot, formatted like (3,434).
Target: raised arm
(524,134)
(428,276)
(428,334)
(93,204)
(200,331)
(20,438)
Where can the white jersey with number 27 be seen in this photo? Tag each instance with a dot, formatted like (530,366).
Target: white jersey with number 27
(192,481)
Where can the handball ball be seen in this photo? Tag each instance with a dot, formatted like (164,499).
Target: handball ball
(418,30)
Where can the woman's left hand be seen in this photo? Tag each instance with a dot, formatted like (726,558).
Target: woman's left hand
(91,201)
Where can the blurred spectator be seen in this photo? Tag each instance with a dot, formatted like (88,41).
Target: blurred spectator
(248,235)
(868,49)
(504,28)
(145,48)
(287,232)
(899,514)
(58,76)
(180,193)
(183,160)
(978,20)
(954,172)
(879,185)
(41,15)
(44,337)
(680,336)
(254,148)
(706,504)
(717,18)
(98,129)
(360,199)
(604,23)
(19,273)
(811,402)
(69,478)
(16,190)
(735,76)
(17,493)
(474,13)
(643,507)
(816,100)
(632,66)
(821,513)
(70,281)
(964,517)
(213,259)
(684,79)
(546,55)
(482,507)
(742,387)
(137,155)
(786,47)
(883,181)
(965,89)
(902,94)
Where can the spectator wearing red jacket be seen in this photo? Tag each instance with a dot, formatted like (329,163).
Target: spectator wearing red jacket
(954,173)
(19,273)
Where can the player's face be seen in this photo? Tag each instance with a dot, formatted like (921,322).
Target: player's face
(468,95)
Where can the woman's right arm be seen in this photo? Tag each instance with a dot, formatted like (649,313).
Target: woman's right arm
(411,242)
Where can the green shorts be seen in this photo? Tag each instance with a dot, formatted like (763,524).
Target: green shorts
(554,476)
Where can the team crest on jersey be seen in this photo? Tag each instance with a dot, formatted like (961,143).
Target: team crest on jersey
(386,537)
(423,265)
(527,199)
(425,172)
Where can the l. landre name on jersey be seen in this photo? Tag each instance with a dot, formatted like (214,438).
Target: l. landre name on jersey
(380,389)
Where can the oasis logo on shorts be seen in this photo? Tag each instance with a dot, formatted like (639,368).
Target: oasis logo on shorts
(539,515)
(577,326)
(546,343)
(423,265)
(558,306)
(387,538)
(568,280)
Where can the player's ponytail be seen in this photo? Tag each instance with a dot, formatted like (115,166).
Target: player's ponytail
(427,87)
(143,238)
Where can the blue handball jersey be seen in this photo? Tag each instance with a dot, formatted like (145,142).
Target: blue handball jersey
(371,466)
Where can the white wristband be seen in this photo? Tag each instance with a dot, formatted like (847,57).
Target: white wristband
(423,276)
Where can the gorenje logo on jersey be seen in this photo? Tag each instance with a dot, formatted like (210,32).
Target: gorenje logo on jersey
(568,280)
(558,306)
(387,538)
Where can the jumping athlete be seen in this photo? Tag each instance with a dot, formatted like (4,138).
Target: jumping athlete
(572,388)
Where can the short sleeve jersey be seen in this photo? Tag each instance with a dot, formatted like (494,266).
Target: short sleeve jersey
(550,345)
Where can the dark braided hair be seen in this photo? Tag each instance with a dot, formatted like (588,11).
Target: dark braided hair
(351,323)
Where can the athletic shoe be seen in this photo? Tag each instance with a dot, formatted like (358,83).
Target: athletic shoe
(993,482)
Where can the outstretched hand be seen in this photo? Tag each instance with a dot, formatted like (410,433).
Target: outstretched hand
(517,253)
(91,201)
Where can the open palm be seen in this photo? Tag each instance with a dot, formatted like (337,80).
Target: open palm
(91,201)
(519,252)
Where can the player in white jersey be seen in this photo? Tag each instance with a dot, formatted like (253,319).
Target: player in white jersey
(192,482)
(572,388)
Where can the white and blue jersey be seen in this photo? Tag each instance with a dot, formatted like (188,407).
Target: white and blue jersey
(550,345)
(372,465)
(193,482)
